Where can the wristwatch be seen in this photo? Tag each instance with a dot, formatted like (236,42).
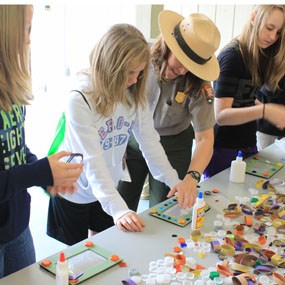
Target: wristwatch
(195,174)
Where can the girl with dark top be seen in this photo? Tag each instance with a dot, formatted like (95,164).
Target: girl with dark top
(19,168)
(254,58)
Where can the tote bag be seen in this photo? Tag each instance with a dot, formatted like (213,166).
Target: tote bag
(60,130)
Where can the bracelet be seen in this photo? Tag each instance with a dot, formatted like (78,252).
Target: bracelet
(278,278)
(224,270)
(246,210)
(244,279)
(227,250)
(264,269)
(263,111)
(254,246)
(239,267)
(245,259)
(196,235)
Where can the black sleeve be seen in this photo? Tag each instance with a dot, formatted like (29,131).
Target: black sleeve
(18,178)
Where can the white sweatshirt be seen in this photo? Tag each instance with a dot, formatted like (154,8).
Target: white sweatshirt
(90,134)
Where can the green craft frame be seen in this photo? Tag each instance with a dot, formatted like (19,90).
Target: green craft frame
(261,167)
(162,210)
(77,250)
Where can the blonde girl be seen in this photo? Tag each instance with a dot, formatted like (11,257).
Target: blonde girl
(108,104)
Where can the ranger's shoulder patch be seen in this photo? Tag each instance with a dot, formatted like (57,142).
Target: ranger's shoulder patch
(208,92)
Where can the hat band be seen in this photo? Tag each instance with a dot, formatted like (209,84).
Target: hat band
(187,50)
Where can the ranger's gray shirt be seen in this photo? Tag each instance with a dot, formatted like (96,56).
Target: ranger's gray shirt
(174,113)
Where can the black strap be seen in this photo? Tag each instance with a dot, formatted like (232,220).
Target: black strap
(82,96)
(187,50)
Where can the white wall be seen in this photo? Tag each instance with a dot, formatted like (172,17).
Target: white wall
(228,18)
(63,36)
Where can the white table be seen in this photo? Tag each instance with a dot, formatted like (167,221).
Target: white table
(138,249)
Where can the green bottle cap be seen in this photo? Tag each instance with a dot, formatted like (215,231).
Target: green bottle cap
(214,274)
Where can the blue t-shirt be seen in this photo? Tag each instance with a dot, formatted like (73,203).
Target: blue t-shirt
(235,82)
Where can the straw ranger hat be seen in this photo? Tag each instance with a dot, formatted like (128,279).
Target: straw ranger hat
(193,41)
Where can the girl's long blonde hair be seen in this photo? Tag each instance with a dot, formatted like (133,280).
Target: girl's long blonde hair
(267,66)
(120,48)
(15,77)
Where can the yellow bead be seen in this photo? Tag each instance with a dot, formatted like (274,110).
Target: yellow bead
(201,254)
(259,184)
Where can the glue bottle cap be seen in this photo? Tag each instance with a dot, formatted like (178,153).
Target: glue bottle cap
(239,153)
(62,257)
(200,195)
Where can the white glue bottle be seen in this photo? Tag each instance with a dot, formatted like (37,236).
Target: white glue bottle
(198,212)
(238,167)
(62,270)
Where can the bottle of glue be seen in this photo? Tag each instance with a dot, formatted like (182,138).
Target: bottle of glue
(238,168)
(62,270)
(198,212)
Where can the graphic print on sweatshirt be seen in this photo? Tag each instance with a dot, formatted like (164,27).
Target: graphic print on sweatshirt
(121,132)
(12,140)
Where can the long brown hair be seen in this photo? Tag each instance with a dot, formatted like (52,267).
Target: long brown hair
(15,77)
(265,65)
(121,47)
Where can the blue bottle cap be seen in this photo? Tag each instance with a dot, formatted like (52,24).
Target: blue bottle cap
(239,153)
(200,195)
